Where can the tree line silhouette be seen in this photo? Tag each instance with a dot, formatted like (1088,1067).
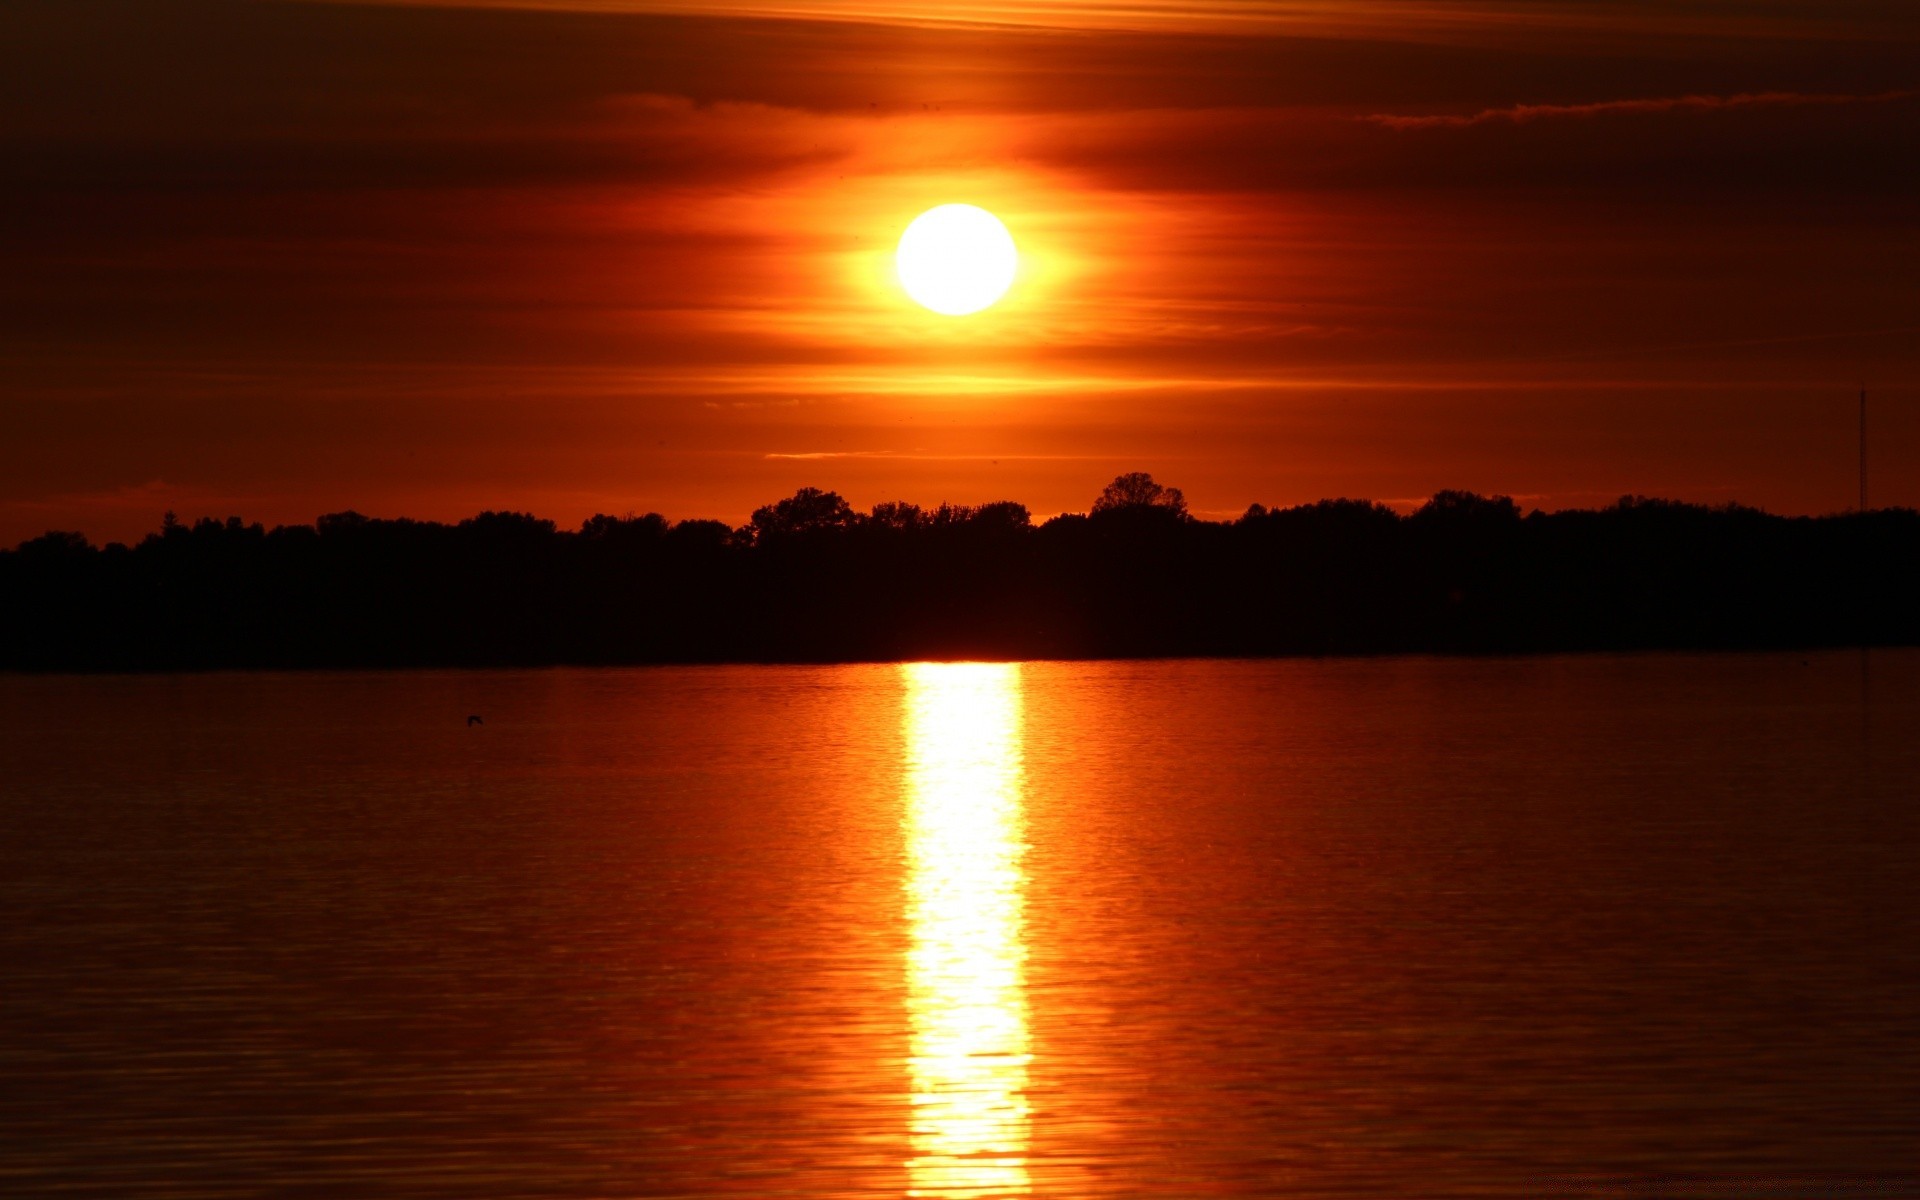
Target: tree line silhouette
(809,578)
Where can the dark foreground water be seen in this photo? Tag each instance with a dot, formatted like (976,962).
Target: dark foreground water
(1577,926)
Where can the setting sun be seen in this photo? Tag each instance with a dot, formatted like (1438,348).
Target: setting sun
(956,259)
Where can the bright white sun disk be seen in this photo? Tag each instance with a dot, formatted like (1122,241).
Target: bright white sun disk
(956,259)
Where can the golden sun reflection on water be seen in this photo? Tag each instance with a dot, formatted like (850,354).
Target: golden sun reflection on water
(966,835)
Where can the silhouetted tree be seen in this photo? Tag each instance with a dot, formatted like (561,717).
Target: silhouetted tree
(1003,514)
(508,525)
(806,511)
(339,523)
(809,579)
(1136,490)
(710,535)
(628,529)
(897,514)
(55,545)
(1463,508)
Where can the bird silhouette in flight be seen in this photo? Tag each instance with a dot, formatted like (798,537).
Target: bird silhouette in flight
(472,721)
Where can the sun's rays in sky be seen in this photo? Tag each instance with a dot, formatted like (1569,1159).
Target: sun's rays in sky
(581,257)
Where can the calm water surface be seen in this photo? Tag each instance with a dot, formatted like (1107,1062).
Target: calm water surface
(1640,925)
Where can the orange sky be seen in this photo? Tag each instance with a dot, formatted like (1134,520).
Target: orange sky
(278,259)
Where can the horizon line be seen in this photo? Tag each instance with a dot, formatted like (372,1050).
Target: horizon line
(1400,507)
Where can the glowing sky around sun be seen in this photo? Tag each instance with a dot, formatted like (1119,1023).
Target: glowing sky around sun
(283,259)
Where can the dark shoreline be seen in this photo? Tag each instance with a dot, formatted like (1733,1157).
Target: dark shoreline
(811,581)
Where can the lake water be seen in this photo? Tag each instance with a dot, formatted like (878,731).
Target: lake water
(1612,925)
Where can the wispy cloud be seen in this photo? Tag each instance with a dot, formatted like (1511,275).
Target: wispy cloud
(153,496)
(1397,19)
(1520,114)
(916,456)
